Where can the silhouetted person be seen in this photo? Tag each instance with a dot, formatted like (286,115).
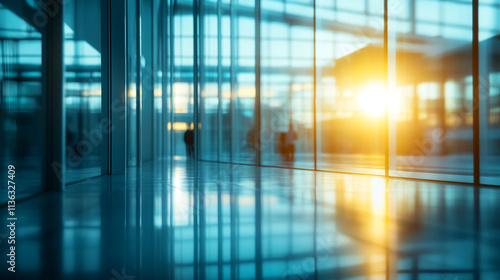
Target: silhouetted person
(189,141)
(252,138)
(291,137)
(283,149)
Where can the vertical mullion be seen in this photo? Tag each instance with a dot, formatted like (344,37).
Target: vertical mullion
(219,81)
(53,65)
(172,68)
(105,74)
(315,80)
(164,62)
(153,80)
(475,98)
(386,74)
(202,69)
(257,82)
(118,81)
(138,83)
(195,78)
(233,41)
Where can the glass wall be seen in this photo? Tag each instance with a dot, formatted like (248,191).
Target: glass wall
(183,60)
(148,80)
(244,131)
(201,68)
(411,91)
(82,60)
(227,57)
(209,81)
(287,91)
(430,67)
(350,86)
(489,82)
(21,119)
(158,75)
(132,83)
(227,121)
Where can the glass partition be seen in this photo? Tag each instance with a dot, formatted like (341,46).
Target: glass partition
(225,74)
(243,119)
(430,69)
(132,53)
(489,98)
(209,81)
(156,75)
(350,86)
(22,121)
(82,60)
(183,60)
(329,58)
(287,78)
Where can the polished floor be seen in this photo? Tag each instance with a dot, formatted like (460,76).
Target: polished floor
(197,220)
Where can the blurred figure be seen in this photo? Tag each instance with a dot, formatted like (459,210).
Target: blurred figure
(291,137)
(70,136)
(189,141)
(282,148)
(252,138)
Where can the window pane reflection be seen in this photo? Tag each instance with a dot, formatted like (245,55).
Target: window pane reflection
(183,76)
(243,117)
(226,79)
(132,140)
(430,64)
(350,86)
(489,101)
(287,91)
(209,79)
(21,119)
(427,96)
(82,59)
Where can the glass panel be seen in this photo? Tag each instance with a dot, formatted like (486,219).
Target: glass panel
(489,80)
(169,42)
(159,52)
(132,83)
(430,64)
(209,79)
(21,119)
(82,59)
(243,127)
(350,86)
(148,77)
(183,80)
(225,107)
(287,91)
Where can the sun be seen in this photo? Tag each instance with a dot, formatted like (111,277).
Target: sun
(371,99)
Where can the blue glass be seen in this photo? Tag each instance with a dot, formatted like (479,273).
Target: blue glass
(209,80)
(82,59)
(132,83)
(22,121)
(183,99)
(243,118)
(287,91)
(489,91)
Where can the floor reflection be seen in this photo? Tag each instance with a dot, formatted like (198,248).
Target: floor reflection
(186,220)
